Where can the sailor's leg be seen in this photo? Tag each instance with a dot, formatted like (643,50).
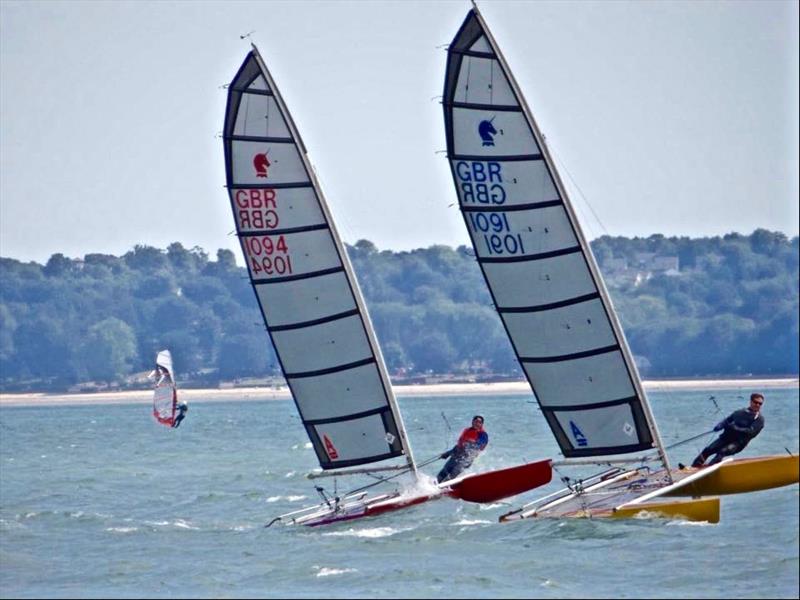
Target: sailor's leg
(727,450)
(447,470)
(712,448)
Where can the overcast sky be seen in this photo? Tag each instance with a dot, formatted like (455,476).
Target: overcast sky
(678,118)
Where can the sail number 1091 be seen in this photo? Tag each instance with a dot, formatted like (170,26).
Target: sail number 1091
(268,255)
(496,233)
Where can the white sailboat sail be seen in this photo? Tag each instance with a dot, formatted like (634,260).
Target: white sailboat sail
(536,261)
(304,283)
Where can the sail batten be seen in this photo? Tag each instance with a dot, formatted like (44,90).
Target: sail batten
(305,287)
(535,259)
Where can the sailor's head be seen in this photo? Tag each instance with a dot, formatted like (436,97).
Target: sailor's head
(477,422)
(756,400)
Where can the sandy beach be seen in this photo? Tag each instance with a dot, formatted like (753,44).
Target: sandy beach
(144,396)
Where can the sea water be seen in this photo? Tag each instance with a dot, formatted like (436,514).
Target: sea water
(101,501)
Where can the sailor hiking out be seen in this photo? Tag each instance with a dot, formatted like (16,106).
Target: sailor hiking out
(470,443)
(738,429)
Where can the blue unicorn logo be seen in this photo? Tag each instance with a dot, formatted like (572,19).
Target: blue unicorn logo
(487,132)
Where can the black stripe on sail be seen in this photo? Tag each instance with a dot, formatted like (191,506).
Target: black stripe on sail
(273,186)
(297,277)
(480,106)
(498,158)
(474,53)
(351,417)
(258,138)
(591,405)
(320,321)
(246,90)
(286,231)
(511,208)
(550,306)
(573,356)
(540,256)
(328,371)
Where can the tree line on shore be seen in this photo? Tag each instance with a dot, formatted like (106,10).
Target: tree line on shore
(726,306)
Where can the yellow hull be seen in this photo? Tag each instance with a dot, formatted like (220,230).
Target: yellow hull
(696,509)
(742,475)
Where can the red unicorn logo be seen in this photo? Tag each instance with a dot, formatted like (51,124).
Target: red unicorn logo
(261,162)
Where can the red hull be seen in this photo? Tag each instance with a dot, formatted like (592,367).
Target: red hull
(503,483)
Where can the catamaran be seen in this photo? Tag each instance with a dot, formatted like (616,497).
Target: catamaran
(165,393)
(550,295)
(317,319)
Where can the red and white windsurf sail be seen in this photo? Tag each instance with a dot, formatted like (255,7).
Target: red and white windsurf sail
(165,394)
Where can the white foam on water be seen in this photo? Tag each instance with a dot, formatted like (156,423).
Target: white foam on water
(328,571)
(290,474)
(685,523)
(490,506)
(273,498)
(424,486)
(307,445)
(372,532)
(295,498)
(472,522)
(122,529)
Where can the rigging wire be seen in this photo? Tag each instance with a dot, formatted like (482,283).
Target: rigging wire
(388,478)
(563,167)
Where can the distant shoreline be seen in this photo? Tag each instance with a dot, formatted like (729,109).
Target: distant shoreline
(442,389)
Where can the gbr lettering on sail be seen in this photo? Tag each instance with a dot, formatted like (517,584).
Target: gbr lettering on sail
(481,183)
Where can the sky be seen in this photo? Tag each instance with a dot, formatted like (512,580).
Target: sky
(679,118)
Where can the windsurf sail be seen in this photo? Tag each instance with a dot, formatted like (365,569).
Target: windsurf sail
(537,264)
(305,286)
(165,394)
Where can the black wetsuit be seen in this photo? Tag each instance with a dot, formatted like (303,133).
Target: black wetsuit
(182,408)
(738,429)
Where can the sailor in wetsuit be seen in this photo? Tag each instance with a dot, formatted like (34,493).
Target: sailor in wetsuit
(737,431)
(470,443)
(182,408)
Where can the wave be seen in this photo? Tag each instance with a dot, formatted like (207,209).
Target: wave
(372,532)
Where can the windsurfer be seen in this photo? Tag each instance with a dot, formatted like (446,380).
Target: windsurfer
(470,443)
(738,429)
(182,408)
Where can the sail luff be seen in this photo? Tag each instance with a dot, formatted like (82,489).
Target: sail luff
(589,254)
(359,298)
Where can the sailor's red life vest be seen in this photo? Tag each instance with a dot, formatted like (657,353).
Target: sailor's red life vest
(472,439)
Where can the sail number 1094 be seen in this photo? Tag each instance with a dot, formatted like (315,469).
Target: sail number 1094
(268,255)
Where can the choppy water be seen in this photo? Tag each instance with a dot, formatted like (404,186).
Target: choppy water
(103,502)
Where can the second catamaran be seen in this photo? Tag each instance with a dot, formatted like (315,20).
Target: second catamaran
(549,293)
